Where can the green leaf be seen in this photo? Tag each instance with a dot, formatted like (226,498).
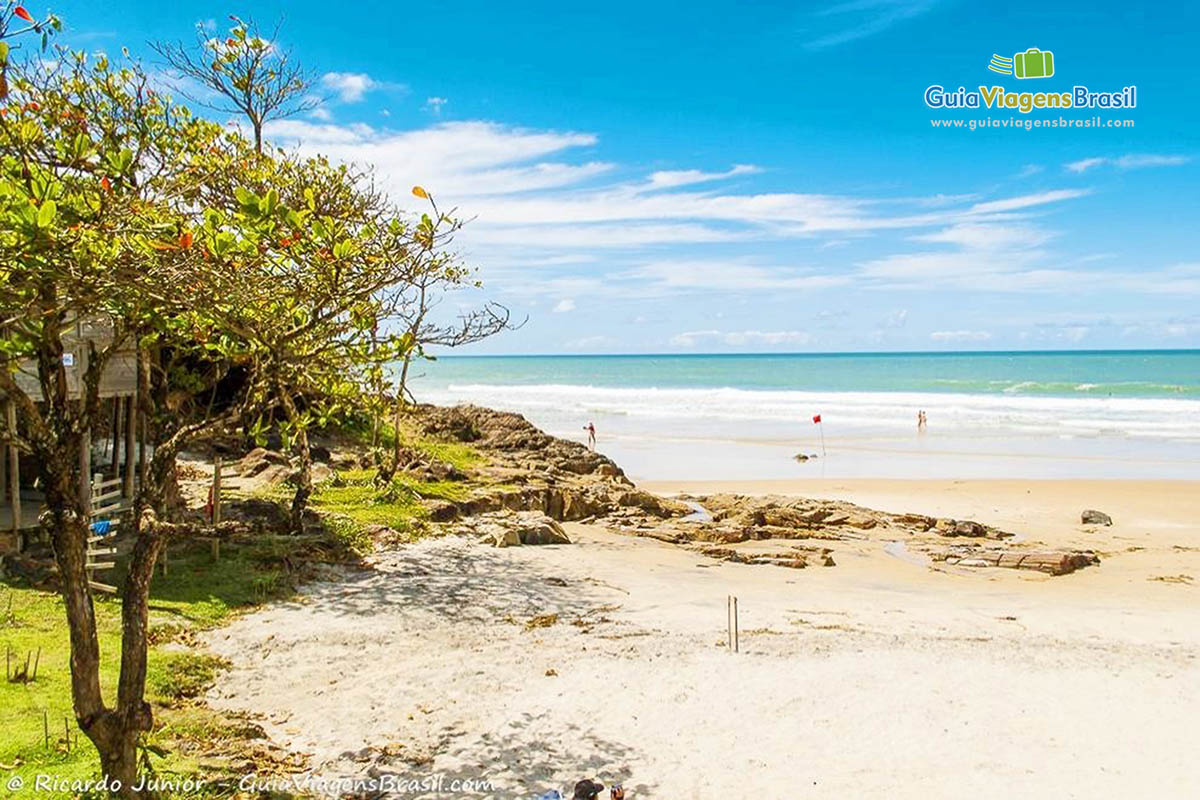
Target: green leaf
(46,214)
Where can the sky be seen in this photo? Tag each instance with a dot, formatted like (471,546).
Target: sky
(766,176)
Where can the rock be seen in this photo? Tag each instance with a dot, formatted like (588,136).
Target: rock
(320,453)
(1093,517)
(259,459)
(442,510)
(968,528)
(511,530)
(918,521)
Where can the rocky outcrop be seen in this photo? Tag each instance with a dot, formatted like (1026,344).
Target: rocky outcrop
(1093,517)
(513,441)
(506,529)
(1058,562)
(528,470)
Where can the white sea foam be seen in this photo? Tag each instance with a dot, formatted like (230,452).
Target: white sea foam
(849,413)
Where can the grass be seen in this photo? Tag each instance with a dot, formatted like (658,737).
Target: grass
(353,502)
(197,593)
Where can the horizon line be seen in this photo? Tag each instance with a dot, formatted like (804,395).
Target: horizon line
(1091,351)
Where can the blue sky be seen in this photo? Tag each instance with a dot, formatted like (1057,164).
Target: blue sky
(710,177)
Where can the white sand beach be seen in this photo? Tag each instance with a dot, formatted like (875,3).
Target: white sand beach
(878,677)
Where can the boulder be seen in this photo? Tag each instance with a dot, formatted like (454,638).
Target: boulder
(968,528)
(1093,517)
(511,530)
(259,459)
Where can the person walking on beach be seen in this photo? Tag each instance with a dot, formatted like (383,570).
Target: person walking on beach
(591,432)
(921,422)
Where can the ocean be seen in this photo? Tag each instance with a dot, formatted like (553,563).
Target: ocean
(1110,414)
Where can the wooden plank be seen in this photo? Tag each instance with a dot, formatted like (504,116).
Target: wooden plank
(101,551)
(100,498)
(102,587)
(100,565)
(115,508)
(107,483)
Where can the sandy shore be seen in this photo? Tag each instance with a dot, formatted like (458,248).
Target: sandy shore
(877,677)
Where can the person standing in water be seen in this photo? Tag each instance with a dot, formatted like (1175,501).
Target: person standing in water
(591,432)
(921,422)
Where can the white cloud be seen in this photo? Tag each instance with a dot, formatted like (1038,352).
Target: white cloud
(530,189)
(1130,161)
(434,105)
(564,305)
(960,336)
(590,343)
(351,87)
(1028,200)
(739,276)
(740,338)
(858,19)
(665,179)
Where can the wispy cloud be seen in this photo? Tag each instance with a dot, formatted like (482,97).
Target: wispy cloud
(434,105)
(666,179)
(352,87)
(565,305)
(1130,161)
(740,338)
(957,337)
(862,18)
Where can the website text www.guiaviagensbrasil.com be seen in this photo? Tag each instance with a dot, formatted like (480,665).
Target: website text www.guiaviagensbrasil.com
(1023,124)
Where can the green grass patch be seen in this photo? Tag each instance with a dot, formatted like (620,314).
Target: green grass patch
(352,501)
(196,593)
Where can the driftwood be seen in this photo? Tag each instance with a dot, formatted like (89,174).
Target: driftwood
(1058,562)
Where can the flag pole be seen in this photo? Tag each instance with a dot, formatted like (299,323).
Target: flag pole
(822,428)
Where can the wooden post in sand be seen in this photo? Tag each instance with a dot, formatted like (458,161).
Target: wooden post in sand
(216,491)
(731,618)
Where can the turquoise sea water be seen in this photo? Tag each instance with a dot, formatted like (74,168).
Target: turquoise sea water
(1052,414)
(1174,373)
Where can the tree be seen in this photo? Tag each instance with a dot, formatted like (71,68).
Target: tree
(87,155)
(16,21)
(409,312)
(227,265)
(249,73)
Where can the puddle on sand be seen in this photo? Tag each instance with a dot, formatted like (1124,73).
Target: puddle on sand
(699,512)
(899,549)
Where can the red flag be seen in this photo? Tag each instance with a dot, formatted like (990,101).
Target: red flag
(816,419)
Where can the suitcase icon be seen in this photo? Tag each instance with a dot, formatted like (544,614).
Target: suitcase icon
(1033,63)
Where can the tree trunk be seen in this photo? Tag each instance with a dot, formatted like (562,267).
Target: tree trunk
(387,471)
(114,734)
(119,760)
(304,483)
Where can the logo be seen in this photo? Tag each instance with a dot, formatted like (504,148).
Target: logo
(1033,63)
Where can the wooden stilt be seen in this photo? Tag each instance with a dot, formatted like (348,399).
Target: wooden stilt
(14,469)
(216,491)
(115,436)
(142,423)
(130,443)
